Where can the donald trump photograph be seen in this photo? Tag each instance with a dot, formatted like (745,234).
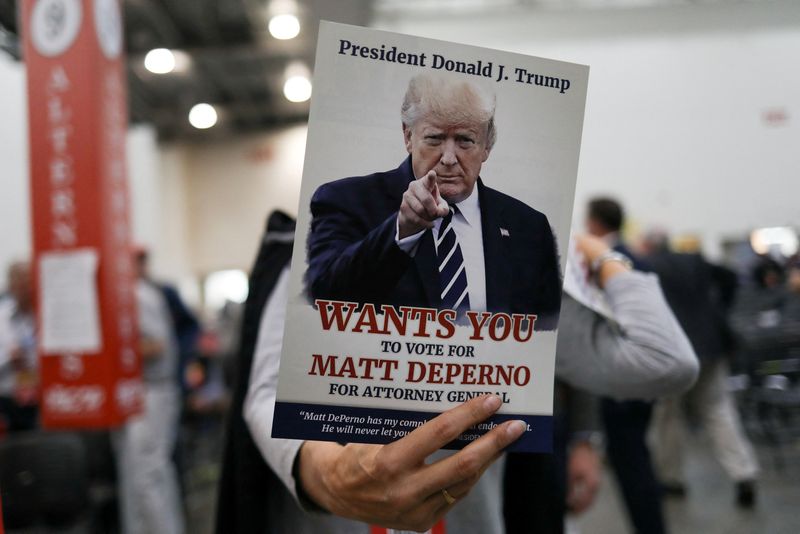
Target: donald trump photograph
(431,233)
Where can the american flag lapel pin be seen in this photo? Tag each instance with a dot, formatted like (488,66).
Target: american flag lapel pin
(504,232)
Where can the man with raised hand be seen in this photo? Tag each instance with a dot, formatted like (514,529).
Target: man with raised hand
(430,233)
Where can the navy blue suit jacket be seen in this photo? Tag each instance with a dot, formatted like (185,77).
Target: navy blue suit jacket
(353,256)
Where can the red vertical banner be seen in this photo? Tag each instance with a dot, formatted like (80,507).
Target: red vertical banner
(86,309)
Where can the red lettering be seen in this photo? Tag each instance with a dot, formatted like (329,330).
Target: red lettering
(527,376)
(447,321)
(366,364)
(348,368)
(504,373)
(322,369)
(518,320)
(469,378)
(493,326)
(424,315)
(338,314)
(457,373)
(453,370)
(390,314)
(477,326)
(416,371)
(435,373)
(367,317)
(341,322)
(485,374)
(388,367)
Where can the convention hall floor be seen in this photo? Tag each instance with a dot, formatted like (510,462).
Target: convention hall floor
(709,506)
(708,509)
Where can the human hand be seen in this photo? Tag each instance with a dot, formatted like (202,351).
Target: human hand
(583,477)
(391,485)
(594,247)
(590,246)
(421,205)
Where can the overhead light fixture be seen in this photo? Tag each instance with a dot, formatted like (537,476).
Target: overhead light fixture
(285,26)
(160,61)
(297,89)
(297,82)
(203,116)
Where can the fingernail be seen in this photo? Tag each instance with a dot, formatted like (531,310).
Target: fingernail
(516,429)
(492,403)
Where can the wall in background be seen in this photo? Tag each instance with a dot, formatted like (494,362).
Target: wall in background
(693,120)
(232,187)
(197,208)
(15,232)
(154,200)
(693,112)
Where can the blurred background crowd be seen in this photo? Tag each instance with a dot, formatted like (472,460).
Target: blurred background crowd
(689,165)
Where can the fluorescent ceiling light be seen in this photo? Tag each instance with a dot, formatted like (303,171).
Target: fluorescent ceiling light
(159,61)
(284,26)
(297,89)
(203,116)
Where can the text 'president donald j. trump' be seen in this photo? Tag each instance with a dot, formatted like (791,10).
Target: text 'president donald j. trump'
(423,234)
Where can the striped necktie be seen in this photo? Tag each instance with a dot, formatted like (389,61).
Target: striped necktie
(452,271)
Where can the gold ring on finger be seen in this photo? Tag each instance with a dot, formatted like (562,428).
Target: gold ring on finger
(449,498)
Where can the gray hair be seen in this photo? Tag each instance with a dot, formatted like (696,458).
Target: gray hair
(451,100)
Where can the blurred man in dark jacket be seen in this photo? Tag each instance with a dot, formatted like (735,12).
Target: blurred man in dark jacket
(627,421)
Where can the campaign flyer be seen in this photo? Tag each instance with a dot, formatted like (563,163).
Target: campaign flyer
(437,193)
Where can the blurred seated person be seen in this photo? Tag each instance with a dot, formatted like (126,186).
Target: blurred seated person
(19,366)
(411,484)
(758,314)
(769,276)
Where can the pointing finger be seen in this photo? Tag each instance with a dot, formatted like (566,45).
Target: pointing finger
(429,180)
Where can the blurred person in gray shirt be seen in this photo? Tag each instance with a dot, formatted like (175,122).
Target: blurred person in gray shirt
(149,492)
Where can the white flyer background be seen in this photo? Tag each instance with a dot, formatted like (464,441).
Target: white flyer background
(355,129)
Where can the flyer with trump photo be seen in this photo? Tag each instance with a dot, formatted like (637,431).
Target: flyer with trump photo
(431,236)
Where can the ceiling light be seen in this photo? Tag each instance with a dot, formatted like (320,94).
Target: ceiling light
(297,89)
(284,26)
(159,61)
(203,116)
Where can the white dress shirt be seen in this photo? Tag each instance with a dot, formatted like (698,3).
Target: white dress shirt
(260,401)
(467,226)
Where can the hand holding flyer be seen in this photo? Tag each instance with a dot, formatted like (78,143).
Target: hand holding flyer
(355,474)
(417,288)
